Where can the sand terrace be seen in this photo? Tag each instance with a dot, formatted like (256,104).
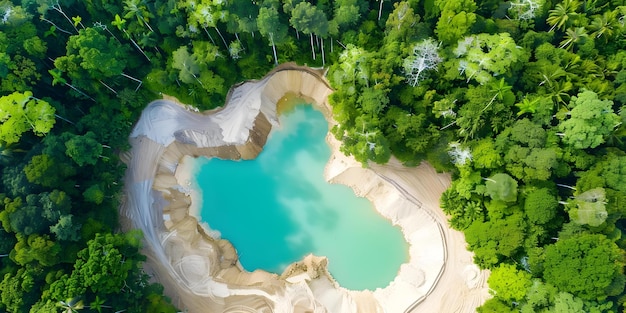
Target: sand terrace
(201,273)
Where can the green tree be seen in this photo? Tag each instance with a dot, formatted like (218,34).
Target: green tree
(138,10)
(84,149)
(400,25)
(589,208)
(366,142)
(94,194)
(501,187)
(605,26)
(563,15)
(107,262)
(495,240)
(482,56)
(566,303)
(67,228)
(591,121)
(572,263)
(187,64)
(43,170)
(21,112)
(453,26)
(540,206)
(18,290)
(35,247)
(309,20)
(509,283)
(271,28)
(99,56)
(424,58)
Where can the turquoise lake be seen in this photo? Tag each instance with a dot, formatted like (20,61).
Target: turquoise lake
(278,208)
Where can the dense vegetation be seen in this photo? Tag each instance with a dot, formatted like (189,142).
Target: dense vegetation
(521,100)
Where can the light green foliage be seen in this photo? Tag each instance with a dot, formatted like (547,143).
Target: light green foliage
(524,153)
(495,240)
(456,6)
(373,100)
(352,68)
(495,305)
(572,263)
(468,183)
(502,187)
(453,26)
(509,283)
(187,64)
(566,303)
(18,290)
(563,15)
(589,208)
(84,149)
(482,56)
(37,248)
(20,112)
(35,47)
(539,296)
(540,206)
(94,52)
(591,120)
(400,25)
(43,170)
(528,163)
(608,173)
(485,155)
(94,194)
(366,142)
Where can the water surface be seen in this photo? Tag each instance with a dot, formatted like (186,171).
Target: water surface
(278,208)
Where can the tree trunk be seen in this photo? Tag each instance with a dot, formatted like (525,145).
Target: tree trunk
(223,40)
(207,33)
(108,87)
(137,46)
(323,59)
(380,9)
(63,118)
(55,25)
(274,49)
(312,50)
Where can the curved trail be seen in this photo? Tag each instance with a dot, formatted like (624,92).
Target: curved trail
(201,273)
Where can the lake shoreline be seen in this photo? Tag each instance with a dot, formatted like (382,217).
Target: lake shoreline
(201,273)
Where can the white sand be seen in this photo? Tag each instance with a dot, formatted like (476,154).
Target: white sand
(201,273)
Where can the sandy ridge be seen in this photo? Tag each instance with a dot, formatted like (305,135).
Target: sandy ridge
(202,274)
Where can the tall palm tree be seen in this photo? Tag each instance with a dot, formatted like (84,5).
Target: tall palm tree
(572,36)
(563,14)
(605,25)
(138,9)
(71,305)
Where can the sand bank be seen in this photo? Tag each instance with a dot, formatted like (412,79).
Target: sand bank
(201,273)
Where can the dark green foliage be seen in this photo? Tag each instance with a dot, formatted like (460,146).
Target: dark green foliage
(523,105)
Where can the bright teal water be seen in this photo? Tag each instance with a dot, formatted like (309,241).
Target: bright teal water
(278,208)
